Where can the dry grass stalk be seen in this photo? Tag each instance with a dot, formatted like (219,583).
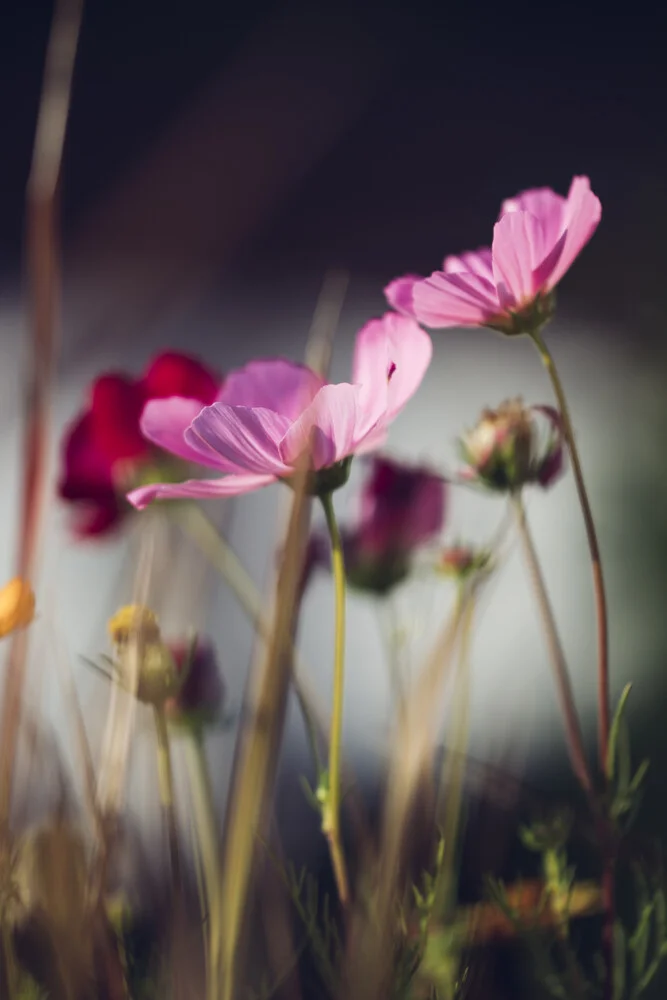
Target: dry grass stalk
(44,285)
(249,804)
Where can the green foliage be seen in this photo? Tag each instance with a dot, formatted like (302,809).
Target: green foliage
(321,930)
(644,949)
(625,789)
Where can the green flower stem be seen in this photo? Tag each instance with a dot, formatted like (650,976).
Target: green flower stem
(594,549)
(561,675)
(215,547)
(205,822)
(331,805)
(166,784)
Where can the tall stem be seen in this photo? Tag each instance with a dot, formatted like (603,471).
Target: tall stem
(561,675)
(207,836)
(594,549)
(166,783)
(451,786)
(604,712)
(331,808)
(215,547)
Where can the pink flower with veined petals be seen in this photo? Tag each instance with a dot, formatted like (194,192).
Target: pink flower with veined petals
(271,412)
(537,238)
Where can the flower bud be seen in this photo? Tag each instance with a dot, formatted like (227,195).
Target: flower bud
(461,561)
(202,694)
(514,446)
(135,631)
(17,606)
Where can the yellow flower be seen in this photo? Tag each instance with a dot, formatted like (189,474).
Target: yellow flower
(134,619)
(17,606)
(158,675)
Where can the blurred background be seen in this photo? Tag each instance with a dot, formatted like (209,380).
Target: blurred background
(220,158)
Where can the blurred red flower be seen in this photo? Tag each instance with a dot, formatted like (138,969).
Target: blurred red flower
(104,445)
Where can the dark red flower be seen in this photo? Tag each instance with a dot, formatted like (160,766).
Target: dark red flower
(105,441)
(202,694)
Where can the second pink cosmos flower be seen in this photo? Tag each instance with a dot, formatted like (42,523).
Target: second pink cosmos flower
(535,241)
(270,412)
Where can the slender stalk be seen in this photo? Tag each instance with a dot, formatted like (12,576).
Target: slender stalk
(222,557)
(43,273)
(561,675)
(604,711)
(331,808)
(594,548)
(207,835)
(451,788)
(166,783)
(11,972)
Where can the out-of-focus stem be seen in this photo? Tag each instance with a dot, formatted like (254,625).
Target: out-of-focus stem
(451,789)
(604,711)
(207,837)
(594,549)
(331,808)
(561,675)
(222,557)
(166,784)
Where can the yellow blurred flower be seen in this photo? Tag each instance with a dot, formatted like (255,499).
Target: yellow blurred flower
(17,606)
(158,677)
(134,619)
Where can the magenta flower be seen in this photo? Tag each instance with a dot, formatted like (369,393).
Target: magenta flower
(201,696)
(271,412)
(537,238)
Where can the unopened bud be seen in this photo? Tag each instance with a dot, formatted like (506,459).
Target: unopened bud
(514,446)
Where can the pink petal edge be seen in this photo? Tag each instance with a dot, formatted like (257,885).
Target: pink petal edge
(198,489)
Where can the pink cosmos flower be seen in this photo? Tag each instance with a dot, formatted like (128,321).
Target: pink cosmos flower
(270,413)
(537,238)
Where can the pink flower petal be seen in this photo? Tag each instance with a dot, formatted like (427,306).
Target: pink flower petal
(391,356)
(247,438)
(399,293)
(581,217)
(165,422)
(545,205)
(376,438)
(198,489)
(518,250)
(410,350)
(326,428)
(273,384)
(455,299)
(478,262)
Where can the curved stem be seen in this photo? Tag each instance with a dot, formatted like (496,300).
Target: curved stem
(207,836)
(331,807)
(561,675)
(166,782)
(594,548)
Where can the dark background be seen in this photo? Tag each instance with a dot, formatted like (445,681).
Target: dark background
(473,101)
